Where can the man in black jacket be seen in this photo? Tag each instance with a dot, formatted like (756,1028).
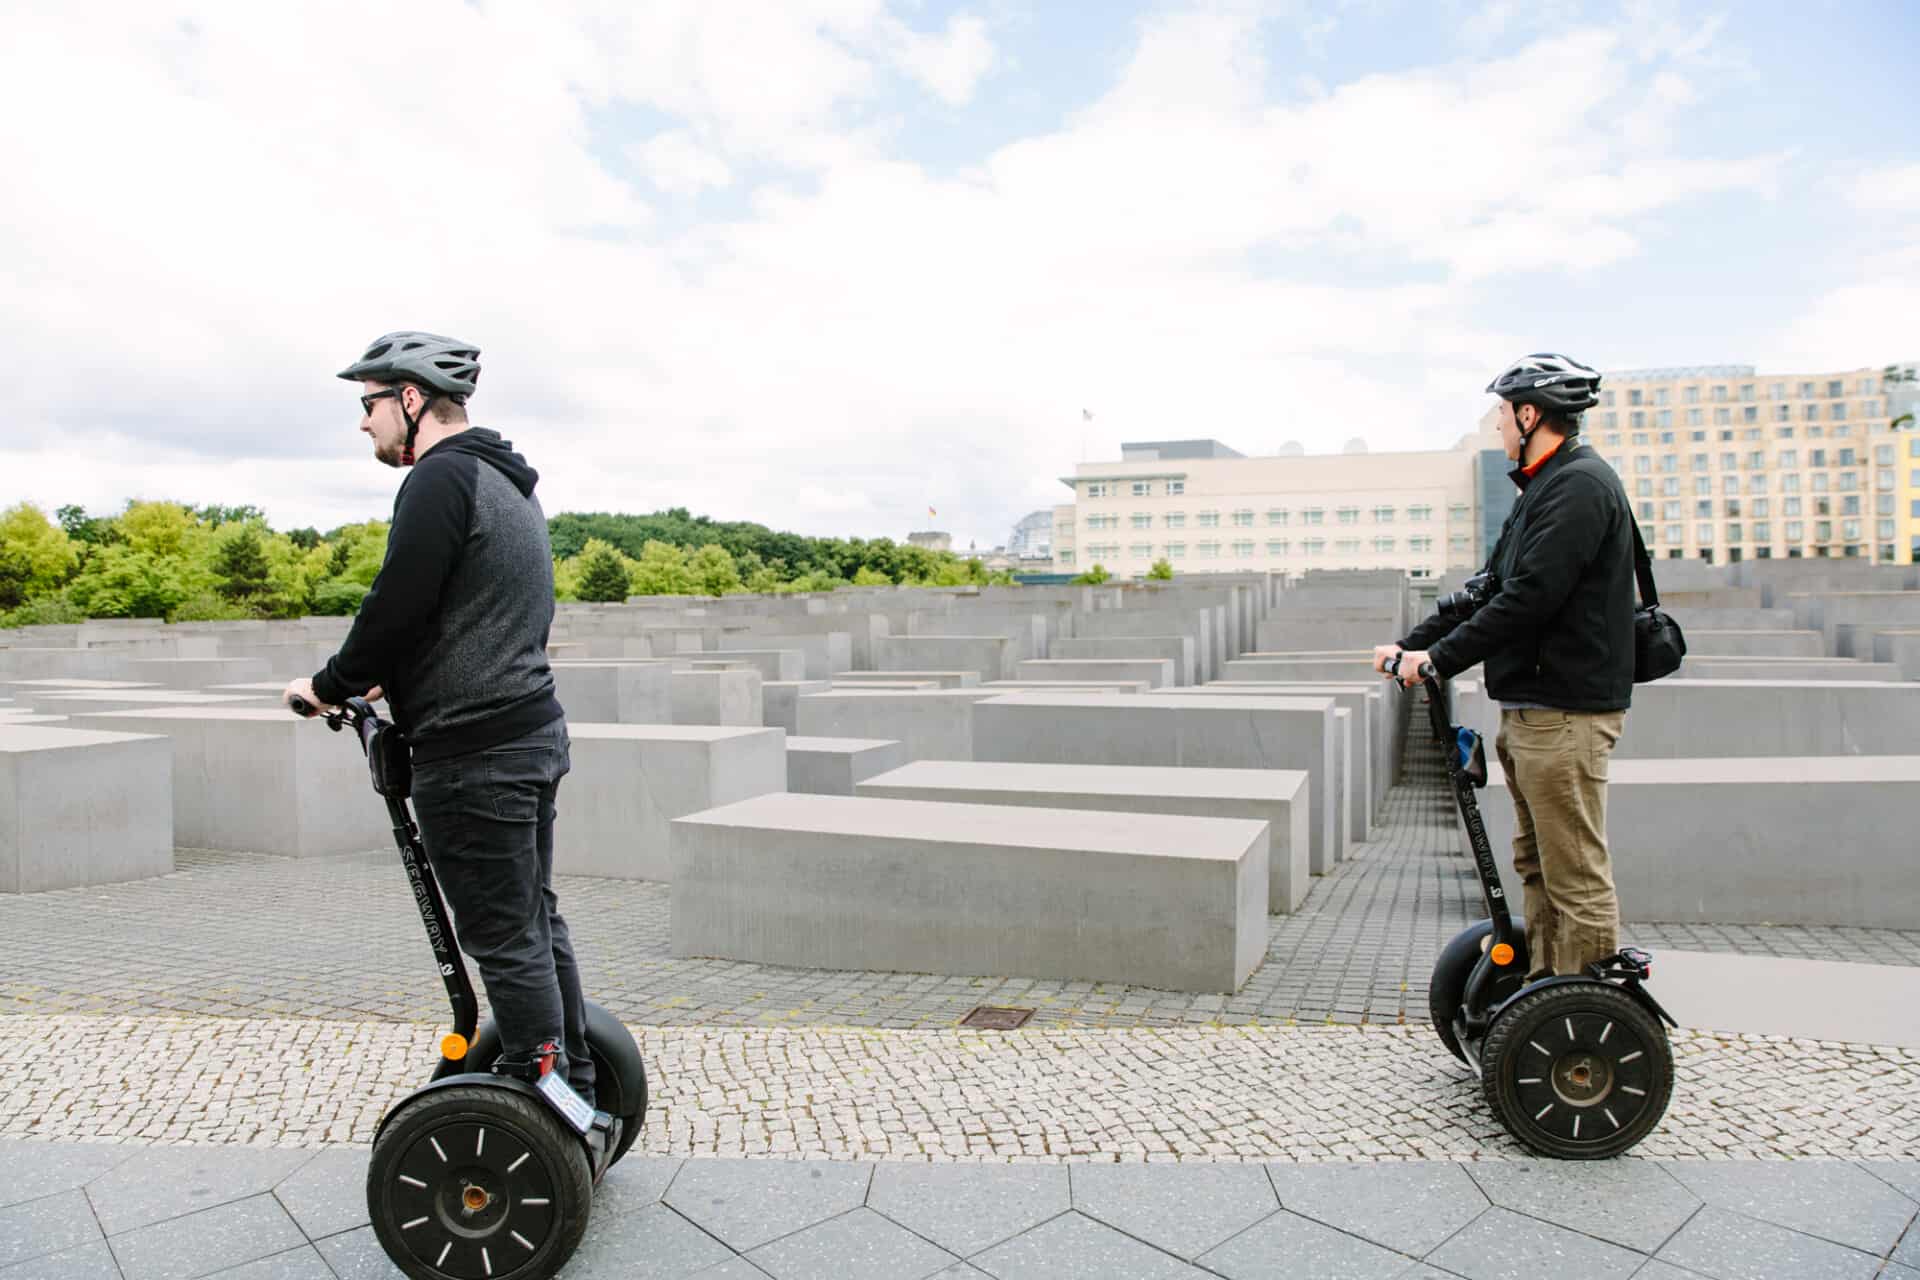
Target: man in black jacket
(1556,634)
(455,632)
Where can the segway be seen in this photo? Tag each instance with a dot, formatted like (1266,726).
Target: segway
(477,1176)
(1576,1067)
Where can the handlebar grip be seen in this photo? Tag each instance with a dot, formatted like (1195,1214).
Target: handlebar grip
(301,707)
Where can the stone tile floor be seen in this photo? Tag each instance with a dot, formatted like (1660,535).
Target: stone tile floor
(70,1211)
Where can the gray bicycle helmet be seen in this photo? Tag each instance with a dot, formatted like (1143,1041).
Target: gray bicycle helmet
(441,366)
(445,365)
(1553,384)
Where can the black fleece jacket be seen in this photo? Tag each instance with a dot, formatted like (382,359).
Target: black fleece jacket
(1559,631)
(455,627)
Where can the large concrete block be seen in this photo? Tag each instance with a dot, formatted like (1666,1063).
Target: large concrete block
(772,664)
(934,724)
(197,673)
(25,688)
(1697,667)
(614,692)
(629,781)
(82,807)
(835,766)
(780,701)
(176,645)
(1840,616)
(26,663)
(990,657)
(285,659)
(1806,840)
(260,780)
(1157,673)
(1028,635)
(821,653)
(73,702)
(1713,718)
(1069,686)
(1692,620)
(1175,649)
(1754,644)
(1359,667)
(1159,619)
(1277,797)
(1171,729)
(944,679)
(728,697)
(815,637)
(1901,648)
(839,882)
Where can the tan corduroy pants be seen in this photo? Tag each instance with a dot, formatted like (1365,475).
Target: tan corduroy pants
(1556,767)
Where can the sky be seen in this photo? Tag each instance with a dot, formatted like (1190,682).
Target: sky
(831,264)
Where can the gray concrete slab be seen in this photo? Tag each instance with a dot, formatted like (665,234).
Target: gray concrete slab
(834,766)
(1176,650)
(944,679)
(935,724)
(1716,718)
(81,807)
(1767,995)
(615,692)
(1184,1209)
(780,701)
(1156,672)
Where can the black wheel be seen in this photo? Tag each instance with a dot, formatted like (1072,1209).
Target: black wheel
(1449,984)
(619,1076)
(478,1182)
(1577,1070)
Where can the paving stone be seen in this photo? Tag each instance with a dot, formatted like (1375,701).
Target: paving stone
(199,1244)
(1904,1178)
(1895,1271)
(328,1194)
(164,1182)
(303,1263)
(92,1261)
(1658,1270)
(33,1170)
(735,1268)
(1730,1246)
(1831,1199)
(1907,1252)
(860,1245)
(1408,1207)
(650,1242)
(747,1203)
(1288,1244)
(357,1255)
(47,1225)
(1634,1203)
(1075,1247)
(967,1208)
(1185,1209)
(1503,1245)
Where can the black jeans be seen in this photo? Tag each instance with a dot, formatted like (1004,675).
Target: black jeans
(487,821)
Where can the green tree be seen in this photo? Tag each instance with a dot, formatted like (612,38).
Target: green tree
(663,571)
(714,570)
(338,597)
(601,573)
(1162,571)
(240,563)
(871,578)
(82,527)
(36,555)
(121,581)
(1094,576)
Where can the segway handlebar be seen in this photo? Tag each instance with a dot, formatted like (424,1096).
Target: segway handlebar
(356,711)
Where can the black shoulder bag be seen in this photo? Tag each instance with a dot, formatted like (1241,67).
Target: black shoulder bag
(1658,645)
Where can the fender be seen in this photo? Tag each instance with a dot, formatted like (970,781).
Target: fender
(1633,989)
(485,1079)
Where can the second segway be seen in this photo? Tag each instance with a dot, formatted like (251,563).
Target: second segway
(478,1176)
(1576,1066)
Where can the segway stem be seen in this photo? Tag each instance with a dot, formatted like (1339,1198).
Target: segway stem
(366,723)
(1492,893)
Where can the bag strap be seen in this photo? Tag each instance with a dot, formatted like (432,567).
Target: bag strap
(1643,567)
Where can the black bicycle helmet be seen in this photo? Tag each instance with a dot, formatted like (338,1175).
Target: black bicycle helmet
(1553,384)
(445,365)
(442,366)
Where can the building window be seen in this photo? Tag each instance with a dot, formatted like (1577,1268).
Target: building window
(1243,519)
(1664,417)
(1347,546)
(1606,397)
(1669,511)
(1176,519)
(1642,464)
(1143,488)
(1063,557)
(1277,516)
(1703,507)
(1762,531)
(1141,551)
(1790,506)
(1313,546)
(1420,544)
(1348,515)
(1733,533)
(1796,531)
(1806,391)
(1703,533)
(1719,395)
(1176,487)
(1671,533)
(1694,418)
(1096,488)
(1456,543)
(1243,549)
(1721,417)
(1729,484)
(1383,515)
(1457,513)
(1419,514)
(1750,414)
(1209,520)
(1209,550)
(1276,547)
(1383,544)
(1610,419)
(1778,391)
(1811,413)
(1838,413)
(1637,419)
(1835,389)
(1669,461)
(1757,482)
(1636,396)
(1142,520)
(1175,550)
(1643,488)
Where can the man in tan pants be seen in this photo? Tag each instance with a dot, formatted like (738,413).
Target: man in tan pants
(1551,617)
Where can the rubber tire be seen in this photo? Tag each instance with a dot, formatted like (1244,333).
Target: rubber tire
(620,1077)
(558,1148)
(1448,985)
(1520,1022)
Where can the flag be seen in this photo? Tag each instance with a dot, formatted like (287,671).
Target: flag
(1087,415)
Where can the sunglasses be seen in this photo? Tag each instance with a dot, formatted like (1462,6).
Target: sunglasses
(366,401)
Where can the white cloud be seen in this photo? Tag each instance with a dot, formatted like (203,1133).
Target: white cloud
(204,223)
(1894,188)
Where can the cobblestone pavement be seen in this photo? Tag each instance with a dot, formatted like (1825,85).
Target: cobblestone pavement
(1134,1095)
(239,935)
(72,1211)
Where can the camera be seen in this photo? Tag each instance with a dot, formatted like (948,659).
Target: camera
(1458,606)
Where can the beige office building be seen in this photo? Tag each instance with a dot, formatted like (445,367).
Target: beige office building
(1203,507)
(1724,463)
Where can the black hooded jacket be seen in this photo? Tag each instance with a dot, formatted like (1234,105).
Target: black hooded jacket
(455,627)
(1559,632)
